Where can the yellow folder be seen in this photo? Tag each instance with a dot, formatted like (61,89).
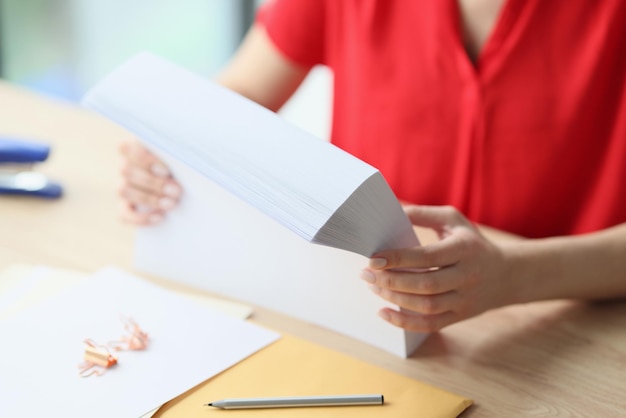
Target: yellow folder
(294,367)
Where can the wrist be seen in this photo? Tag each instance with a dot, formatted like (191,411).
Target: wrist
(532,270)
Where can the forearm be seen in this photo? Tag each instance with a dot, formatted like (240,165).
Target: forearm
(586,267)
(260,72)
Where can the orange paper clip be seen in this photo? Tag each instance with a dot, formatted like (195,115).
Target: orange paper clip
(136,340)
(97,357)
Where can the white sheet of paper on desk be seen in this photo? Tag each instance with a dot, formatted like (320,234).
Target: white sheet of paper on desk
(42,346)
(23,285)
(321,193)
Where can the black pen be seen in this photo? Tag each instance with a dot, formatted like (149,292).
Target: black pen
(298,401)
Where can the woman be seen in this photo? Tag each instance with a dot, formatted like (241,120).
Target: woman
(510,114)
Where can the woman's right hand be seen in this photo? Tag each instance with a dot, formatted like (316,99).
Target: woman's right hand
(148,190)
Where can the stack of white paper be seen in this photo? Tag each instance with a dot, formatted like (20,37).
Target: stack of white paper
(316,190)
(322,193)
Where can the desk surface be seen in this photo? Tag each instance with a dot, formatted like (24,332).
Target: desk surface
(548,358)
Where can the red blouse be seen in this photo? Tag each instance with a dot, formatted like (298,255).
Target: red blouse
(530,139)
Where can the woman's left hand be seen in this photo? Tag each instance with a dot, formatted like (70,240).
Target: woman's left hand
(461,275)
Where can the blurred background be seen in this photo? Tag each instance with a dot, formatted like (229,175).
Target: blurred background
(60,48)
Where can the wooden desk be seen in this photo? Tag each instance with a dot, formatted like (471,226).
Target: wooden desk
(543,359)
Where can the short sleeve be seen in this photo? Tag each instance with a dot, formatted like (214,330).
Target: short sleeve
(296,28)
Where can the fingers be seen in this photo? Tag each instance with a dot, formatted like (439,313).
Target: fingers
(424,304)
(430,297)
(437,284)
(136,216)
(137,155)
(412,321)
(148,190)
(435,217)
(146,180)
(429,282)
(433,292)
(446,252)
(458,236)
(146,200)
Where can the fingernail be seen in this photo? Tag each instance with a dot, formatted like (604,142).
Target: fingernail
(375,288)
(171,190)
(166,203)
(159,170)
(368,276)
(378,263)
(155,218)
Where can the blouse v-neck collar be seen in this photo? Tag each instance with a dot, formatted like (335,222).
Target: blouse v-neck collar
(493,48)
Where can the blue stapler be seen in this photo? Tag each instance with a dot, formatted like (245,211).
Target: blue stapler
(16,160)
